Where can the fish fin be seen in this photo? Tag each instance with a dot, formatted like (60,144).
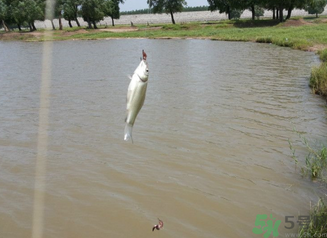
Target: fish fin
(128,132)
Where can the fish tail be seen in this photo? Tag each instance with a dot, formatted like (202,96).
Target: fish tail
(128,132)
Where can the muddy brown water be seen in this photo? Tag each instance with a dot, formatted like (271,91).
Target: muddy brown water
(210,145)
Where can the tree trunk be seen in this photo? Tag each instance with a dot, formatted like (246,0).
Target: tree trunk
(19,27)
(112,21)
(70,24)
(316,15)
(5,26)
(253,12)
(77,22)
(172,17)
(30,26)
(60,22)
(33,25)
(53,26)
(274,13)
(289,12)
(277,13)
(95,25)
(228,13)
(281,17)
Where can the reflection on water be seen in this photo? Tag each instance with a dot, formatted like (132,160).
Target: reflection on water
(210,145)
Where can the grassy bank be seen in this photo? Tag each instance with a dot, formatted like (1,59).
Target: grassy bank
(314,167)
(318,79)
(304,34)
(316,226)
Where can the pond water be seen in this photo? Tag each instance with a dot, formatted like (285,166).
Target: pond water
(210,145)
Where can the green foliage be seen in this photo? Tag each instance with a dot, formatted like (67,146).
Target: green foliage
(3,10)
(224,6)
(235,14)
(34,10)
(259,11)
(111,9)
(167,6)
(193,9)
(315,161)
(317,226)
(316,6)
(70,9)
(92,11)
(323,55)
(318,79)
(136,12)
(266,39)
(150,11)
(176,27)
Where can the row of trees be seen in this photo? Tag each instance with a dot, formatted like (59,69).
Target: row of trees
(149,11)
(235,7)
(26,12)
(277,6)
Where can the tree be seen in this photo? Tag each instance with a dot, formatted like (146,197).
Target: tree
(251,4)
(17,10)
(50,10)
(3,14)
(224,6)
(291,4)
(71,11)
(92,11)
(316,7)
(167,6)
(112,9)
(34,11)
(259,12)
(236,14)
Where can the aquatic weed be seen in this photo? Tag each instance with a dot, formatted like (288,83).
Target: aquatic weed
(315,162)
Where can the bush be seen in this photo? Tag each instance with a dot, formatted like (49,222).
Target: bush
(323,55)
(315,162)
(236,14)
(317,226)
(318,79)
(264,39)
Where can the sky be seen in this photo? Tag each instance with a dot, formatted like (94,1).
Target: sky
(130,5)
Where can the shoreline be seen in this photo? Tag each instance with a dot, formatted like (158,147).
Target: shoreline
(261,31)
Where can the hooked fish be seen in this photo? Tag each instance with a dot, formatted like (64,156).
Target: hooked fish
(136,95)
(158,226)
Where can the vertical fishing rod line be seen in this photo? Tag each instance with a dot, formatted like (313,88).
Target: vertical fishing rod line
(42,138)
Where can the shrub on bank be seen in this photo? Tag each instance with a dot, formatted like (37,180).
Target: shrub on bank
(316,226)
(323,55)
(318,79)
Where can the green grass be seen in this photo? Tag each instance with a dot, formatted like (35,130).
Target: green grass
(323,55)
(265,31)
(315,164)
(317,225)
(318,79)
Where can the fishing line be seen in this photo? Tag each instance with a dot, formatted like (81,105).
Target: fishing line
(42,139)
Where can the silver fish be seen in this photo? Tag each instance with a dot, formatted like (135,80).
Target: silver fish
(136,95)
